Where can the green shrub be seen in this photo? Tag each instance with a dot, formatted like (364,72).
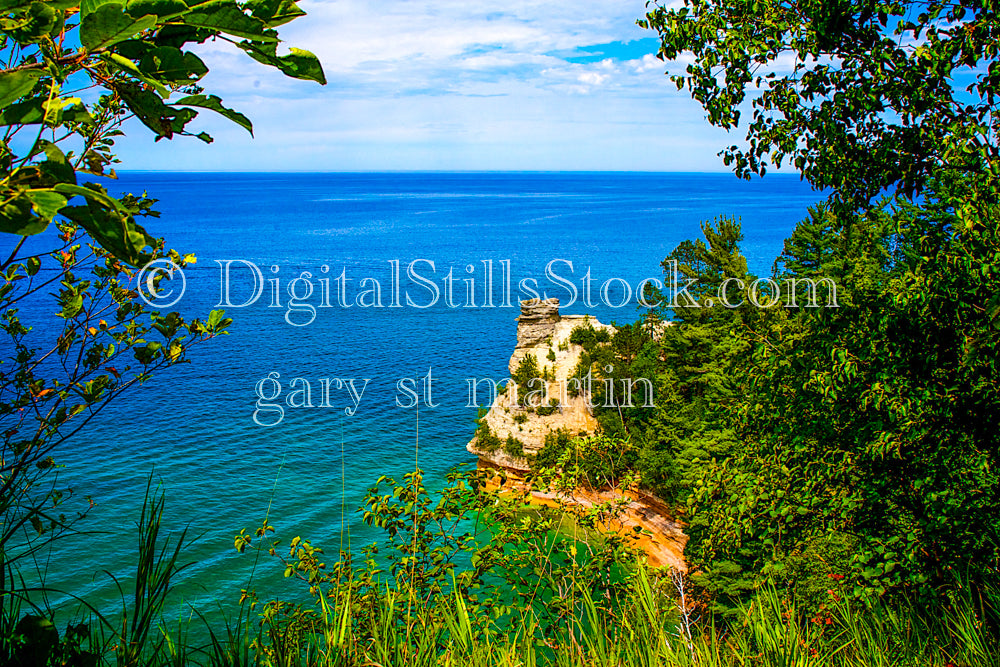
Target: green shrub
(513,447)
(580,371)
(527,370)
(545,410)
(588,337)
(528,377)
(556,443)
(486,440)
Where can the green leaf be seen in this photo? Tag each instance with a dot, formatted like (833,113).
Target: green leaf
(226,16)
(133,49)
(88,7)
(161,8)
(298,64)
(116,232)
(25,112)
(17,84)
(17,217)
(274,12)
(90,194)
(174,34)
(164,120)
(126,65)
(46,203)
(56,166)
(213,103)
(33,111)
(169,63)
(109,25)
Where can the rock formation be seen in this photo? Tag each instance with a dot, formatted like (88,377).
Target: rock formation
(544,333)
(537,323)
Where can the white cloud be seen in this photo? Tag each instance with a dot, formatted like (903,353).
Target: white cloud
(411,46)
(449,84)
(593,78)
(648,62)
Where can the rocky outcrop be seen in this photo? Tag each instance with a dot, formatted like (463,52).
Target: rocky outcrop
(644,519)
(543,333)
(537,323)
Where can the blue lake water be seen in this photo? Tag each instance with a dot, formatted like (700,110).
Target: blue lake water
(193,426)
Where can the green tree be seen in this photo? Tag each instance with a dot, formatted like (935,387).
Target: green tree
(811,250)
(862,450)
(700,355)
(859,443)
(859,96)
(528,381)
(132,55)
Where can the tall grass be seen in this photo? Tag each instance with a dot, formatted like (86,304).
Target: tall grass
(649,627)
(651,622)
(647,630)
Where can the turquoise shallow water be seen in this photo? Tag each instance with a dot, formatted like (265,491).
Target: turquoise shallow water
(194,427)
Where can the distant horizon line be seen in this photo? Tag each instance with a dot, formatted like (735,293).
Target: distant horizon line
(445,171)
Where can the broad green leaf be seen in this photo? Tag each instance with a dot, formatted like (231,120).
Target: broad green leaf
(88,7)
(175,34)
(274,12)
(17,217)
(164,120)
(76,113)
(25,112)
(55,169)
(54,108)
(226,16)
(46,203)
(33,111)
(133,49)
(298,64)
(108,25)
(15,85)
(90,194)
(215,104)
(161,8)
(116,232)
(169,63)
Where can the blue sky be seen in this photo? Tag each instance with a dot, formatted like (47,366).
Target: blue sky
(451,85)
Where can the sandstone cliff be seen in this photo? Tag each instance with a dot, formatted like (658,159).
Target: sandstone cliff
(544,333)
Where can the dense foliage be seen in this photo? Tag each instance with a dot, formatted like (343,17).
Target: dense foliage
(858,95)
(846,429)
(71,73)
(856,441)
